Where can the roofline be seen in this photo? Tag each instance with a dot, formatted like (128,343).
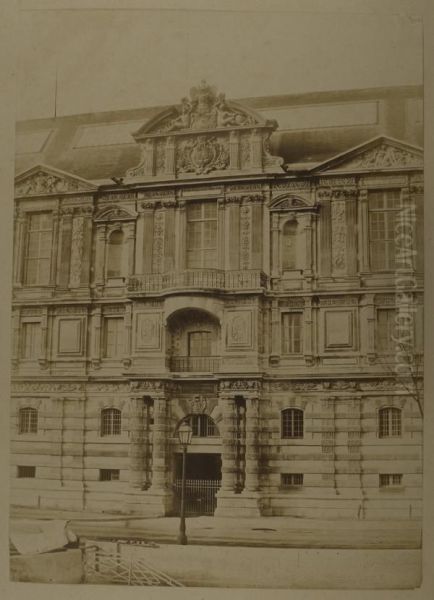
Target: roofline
(257,102)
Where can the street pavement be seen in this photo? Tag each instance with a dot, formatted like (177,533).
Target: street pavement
(278,532)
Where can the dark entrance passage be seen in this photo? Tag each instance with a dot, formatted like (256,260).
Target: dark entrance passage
(202,481)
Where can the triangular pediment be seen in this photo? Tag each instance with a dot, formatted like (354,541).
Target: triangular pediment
(379,154)
(43,180)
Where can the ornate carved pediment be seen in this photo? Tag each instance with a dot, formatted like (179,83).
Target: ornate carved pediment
(41,181)
(205,134)
(380,154)
(205,109)
(114,213)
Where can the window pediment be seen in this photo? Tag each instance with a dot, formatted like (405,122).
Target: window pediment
(114,213)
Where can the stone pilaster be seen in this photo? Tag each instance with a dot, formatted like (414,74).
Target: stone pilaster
(77,247)
(100,250)
(233,229)
(130,239)
(181,227)
(43,353)
(86,211)
(170,157)
(339,235)
(275,235)
(221,233)
(159,445)
(251,483)
(96,337)
(65,246)
(245,235)
(137,448)
(325,232)
(229,441)
(19,243)
(128,318)
(54,247)
(367,327)
(363,250)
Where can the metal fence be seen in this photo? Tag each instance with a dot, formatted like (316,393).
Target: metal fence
(116,563)
(200,496)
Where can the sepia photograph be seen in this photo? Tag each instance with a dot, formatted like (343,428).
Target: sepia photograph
(217,330)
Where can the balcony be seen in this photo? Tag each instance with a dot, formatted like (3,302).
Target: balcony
(201,279)
(197,364)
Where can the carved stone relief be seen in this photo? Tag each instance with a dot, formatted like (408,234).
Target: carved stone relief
(202,154)
(76,250)
(339,237)
(385,156)
(41,183)
(245,235)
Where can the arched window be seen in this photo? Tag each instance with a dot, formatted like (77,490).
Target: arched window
(114,255)
(202,425)
(28,420)
(110,421)
(289,245)
(389,422)
(292,423)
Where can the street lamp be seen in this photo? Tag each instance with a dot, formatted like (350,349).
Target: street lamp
(185,433)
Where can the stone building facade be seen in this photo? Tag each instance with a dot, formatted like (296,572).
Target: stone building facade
(213,281)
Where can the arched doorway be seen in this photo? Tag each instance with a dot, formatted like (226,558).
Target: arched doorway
(203,467)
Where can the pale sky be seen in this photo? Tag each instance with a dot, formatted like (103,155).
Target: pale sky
(108,60)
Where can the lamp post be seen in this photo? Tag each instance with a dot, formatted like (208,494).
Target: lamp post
(185,433)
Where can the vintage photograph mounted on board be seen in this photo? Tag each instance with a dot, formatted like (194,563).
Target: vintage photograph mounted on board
(217,306)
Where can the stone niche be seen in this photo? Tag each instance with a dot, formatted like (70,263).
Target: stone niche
(205,134)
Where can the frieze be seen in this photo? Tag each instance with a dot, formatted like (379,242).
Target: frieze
(201,191)
(71,310)
(383,385)
(157,194)
(113,309)
(338,300)
(118,196)
(108,387)
(337,181)
(149,385)
(416,188)
(296,386)
(383,181)
(385,299)
(340,385)
(254,187)
(292,185)
(344,193)
(240,385)
(31,312)
(46,387)
(292,302)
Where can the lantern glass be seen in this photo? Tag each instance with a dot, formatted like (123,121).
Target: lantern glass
(185,433)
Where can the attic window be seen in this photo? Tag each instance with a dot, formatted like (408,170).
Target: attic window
(106,134)
(31,142)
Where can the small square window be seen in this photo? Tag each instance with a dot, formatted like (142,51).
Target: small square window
(26,472)
(390,479)
(109,474)
(290,480)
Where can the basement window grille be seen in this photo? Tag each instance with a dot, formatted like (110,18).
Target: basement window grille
(26,472)
(109,474)
(290,480)
(390,479)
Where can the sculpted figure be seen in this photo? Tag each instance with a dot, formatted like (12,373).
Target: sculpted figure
(183,120)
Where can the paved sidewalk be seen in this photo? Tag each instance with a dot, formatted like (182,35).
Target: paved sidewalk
(278,532)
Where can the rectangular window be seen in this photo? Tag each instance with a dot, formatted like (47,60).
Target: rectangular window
(385,329)
(383,208)
(390,479)
(31,340)
(113,337)
(290,480)
(199,343)
(38,249)
(292,333)
(109,474)
(26,472)
(202,235)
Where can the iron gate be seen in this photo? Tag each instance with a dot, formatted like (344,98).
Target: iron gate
(200,496)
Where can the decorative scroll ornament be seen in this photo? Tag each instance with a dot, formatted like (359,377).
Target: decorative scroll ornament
(202,155)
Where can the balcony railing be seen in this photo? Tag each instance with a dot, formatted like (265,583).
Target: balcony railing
(198,364)
(207,279)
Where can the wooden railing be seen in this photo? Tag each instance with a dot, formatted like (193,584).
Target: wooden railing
(208,279)
(199,364)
